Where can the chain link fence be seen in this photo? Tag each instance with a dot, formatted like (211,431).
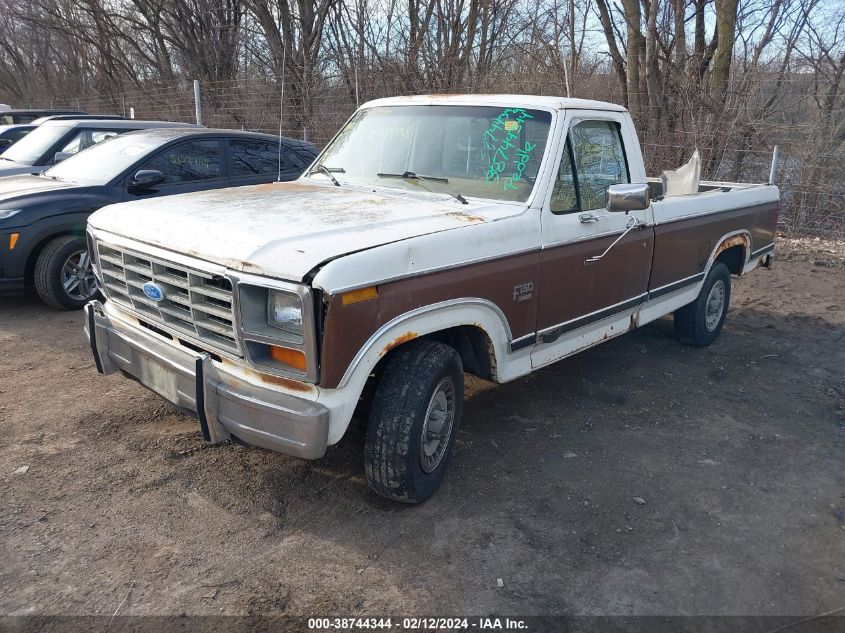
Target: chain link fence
(738,147)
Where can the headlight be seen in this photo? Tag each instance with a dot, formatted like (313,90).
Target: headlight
(277,326)
(8,213)
(284,312)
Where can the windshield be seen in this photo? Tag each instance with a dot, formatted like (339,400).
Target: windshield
(480,151)
(102,162)
(32,147)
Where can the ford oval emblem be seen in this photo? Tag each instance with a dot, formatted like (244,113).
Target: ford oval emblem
(153,291)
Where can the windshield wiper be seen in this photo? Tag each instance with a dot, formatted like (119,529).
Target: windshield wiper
(409,175)
(328,172)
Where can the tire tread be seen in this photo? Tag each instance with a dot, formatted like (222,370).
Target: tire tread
(403,389)
(689,320)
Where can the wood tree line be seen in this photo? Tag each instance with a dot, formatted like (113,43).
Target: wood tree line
(731,77)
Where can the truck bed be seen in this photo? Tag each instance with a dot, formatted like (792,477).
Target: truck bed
(705,186)
(688,228)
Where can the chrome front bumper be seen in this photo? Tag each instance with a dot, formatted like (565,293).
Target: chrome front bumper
(225,404)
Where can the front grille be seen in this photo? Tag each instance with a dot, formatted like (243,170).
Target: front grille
(196,304)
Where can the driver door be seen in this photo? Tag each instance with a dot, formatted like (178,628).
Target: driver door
(581,297)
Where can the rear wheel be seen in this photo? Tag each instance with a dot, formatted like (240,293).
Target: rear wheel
(699,323)
(64,275)
(413,421)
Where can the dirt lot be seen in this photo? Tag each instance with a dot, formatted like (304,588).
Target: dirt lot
(735,450)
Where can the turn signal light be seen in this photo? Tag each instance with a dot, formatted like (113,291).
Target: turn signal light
(13,239)
(356,296)
(290,357)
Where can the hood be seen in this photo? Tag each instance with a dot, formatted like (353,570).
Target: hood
(285,230)
(16,187)
(11,168)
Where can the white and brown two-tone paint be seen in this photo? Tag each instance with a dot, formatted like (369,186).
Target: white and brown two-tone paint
(508,284)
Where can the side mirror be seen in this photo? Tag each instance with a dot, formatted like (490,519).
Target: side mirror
(146,178)
(628,197)
(60,156)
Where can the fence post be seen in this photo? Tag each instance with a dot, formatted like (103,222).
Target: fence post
(197,102)
(357,102)
(774,170)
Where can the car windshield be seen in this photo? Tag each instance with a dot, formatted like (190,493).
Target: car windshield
(479,151)
(33,146)
(102,162)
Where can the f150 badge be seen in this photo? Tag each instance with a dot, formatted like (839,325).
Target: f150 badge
(153,291)
(523,292)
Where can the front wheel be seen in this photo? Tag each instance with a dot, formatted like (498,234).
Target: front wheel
(64,275)
(413,421)
(699,323)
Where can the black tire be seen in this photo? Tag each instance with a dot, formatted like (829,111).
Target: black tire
(48,273)
(694,325)
(393,452)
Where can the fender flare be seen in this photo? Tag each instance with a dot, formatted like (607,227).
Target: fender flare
(472,311)
(729,240)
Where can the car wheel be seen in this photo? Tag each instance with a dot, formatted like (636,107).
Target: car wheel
(64,275)
(699,323)
(413,421)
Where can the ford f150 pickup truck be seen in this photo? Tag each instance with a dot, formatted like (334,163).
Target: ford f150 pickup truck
(435,235)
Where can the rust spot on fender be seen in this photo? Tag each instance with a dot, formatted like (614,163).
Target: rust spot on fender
(736,240)
(408,336)
(279,381)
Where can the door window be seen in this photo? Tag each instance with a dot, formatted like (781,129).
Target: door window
(188,162)
(565,192)
(256,158)
(86,138)
(295,161)
(595,150)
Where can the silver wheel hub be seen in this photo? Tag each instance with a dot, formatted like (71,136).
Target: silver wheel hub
(715,305)
(78,278)
(437,426)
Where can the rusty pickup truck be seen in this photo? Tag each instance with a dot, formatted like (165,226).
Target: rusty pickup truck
(435,235)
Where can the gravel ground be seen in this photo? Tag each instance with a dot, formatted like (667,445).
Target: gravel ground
(640,477)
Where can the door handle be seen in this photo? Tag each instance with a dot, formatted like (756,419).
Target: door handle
(633,223)
(586,218)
